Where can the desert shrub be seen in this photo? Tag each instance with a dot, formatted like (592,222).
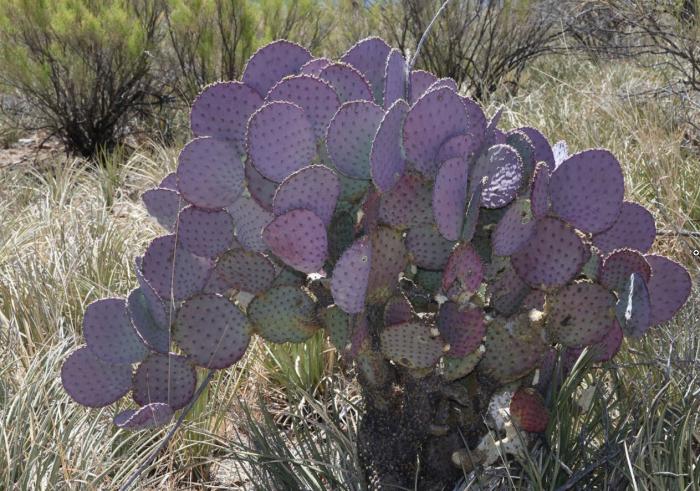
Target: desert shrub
(84,66)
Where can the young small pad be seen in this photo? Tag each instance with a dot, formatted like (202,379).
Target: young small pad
(411,345)
(163,205)
(420,82)
(618,266)
(169,379)
(246,271)
(514,230)
(461,146)
(261,189)
(539,193)
(210,173)
(148,416)
(315,96)
(389,259)
(437,116)
(350,137)
(552,257)
(408,203)
(151,334)
(580,314)
(212,331)
(528,410)
(427,248)
(250,219)
(634,229)
(283,314)
(272,63)
(348,83)
(398,310)
(543,150)
(92,382)
(502,166)
(351,276)
(205,233)
(395,78)
(315,66)
(109,333)
(387,162)
(169,182)
(463,273)
(314,188)
(669,288)
(299,239)
(222,110)
(560,152)
(450,197)
(462,327)
(633,309)
(172,271)
(280,140)
(587,190)
(369,57)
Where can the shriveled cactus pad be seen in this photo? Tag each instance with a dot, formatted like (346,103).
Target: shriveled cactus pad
(379,203)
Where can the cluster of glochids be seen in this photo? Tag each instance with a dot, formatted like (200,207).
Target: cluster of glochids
(316,191)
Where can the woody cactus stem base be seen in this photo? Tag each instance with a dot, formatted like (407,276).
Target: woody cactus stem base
(452,263)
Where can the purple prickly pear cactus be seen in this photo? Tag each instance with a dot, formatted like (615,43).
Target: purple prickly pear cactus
(379,204)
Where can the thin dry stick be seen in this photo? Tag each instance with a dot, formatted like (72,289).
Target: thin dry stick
(170,434)
(425,35)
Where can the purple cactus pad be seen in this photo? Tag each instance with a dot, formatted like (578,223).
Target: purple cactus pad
(272,63)
(163,205)
(669,288)
(580,314)
(369,57)
(261,189)
(169,182)
(247,271)
(634,229)
(250,220)
(514,230)
(315,66)
(283,314)
(148,416)
(351,276)
(299,239)
(618,266)
(387,162)
(427,248)
(463,273)
(389,259)
(408,204)
(151,334)
(164,378)
(109,333)
(450,197)
(398,310)
(502,166)
(633,308)
(410,344)
(462,327)
(205,233)
(92,382)
(539,194)
(395,78)
(314,188)
(348,83)
(543,150)
(462,146)
(420,82)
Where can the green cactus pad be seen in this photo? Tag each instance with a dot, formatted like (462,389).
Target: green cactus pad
(456,368)
(169,379)
(250,219)
(212,331)
(205,233)
(427,248)
(389,258)
(273,62)
(247,271)
(338,326)
(351,276)
(148,416)
(398,310)
(299,239)
(411,345)
(408,203)
(314,188)
(580,314)
(347,81)
(109,333)
(618,266)
(463,273)
(151,334)
(92,382)
(283,314)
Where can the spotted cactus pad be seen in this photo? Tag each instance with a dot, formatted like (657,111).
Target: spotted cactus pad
(246,270)
(539,194)
(261,189)
(408,204)
(387,162)
(163,205)
(348,83)
(389,259)
(463,328)
(294,193)
(420,81)
(514,230)
(427,248)
(463,273)
(315,66)
(398,310)
(580,314)
(299,239)
(283,314)
(152,335)
(633,229)
(351,276)
(169,379)
(618,266)
(450,197)
(395,78)
(272,63)
(205,233)
(92,382)
(411,345)
(460,146)
(543,150)
(109,333)
(148,416)
(212,331)
(250,219)
(669,288)
(369,57)
(508,291)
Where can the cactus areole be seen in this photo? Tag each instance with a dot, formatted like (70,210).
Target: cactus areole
(449,261)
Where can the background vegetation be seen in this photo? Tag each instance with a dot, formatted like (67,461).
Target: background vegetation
(112,81)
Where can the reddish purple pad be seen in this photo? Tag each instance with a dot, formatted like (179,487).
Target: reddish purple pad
(315,66)
(395,78)
(351,276)
(314,188)
(389,259)
(369,57)
(273,62)
(398,310)
(169,182)
(502,166)
(387,162)
(247,271)
(299,239)
(618,266)
(109,333)
(587,190)
(222,110)
(450,197)
(350,137)
(669,288)
(261,189)
(539,194)
(420,82)
(634,229)
(148,416)
(348,83)
(212,331)
(250,220)
(514,229)
(210,173)
(154,336)
(205,233)
(280,140)
(427,248)
(315,96)
(606,348)
(92,382)
(163,205)
(437,116)
(180,278)
(553,256)
(408,204)
(462,327)
(463,146)
(543,150)
(463,273)
(164,378)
